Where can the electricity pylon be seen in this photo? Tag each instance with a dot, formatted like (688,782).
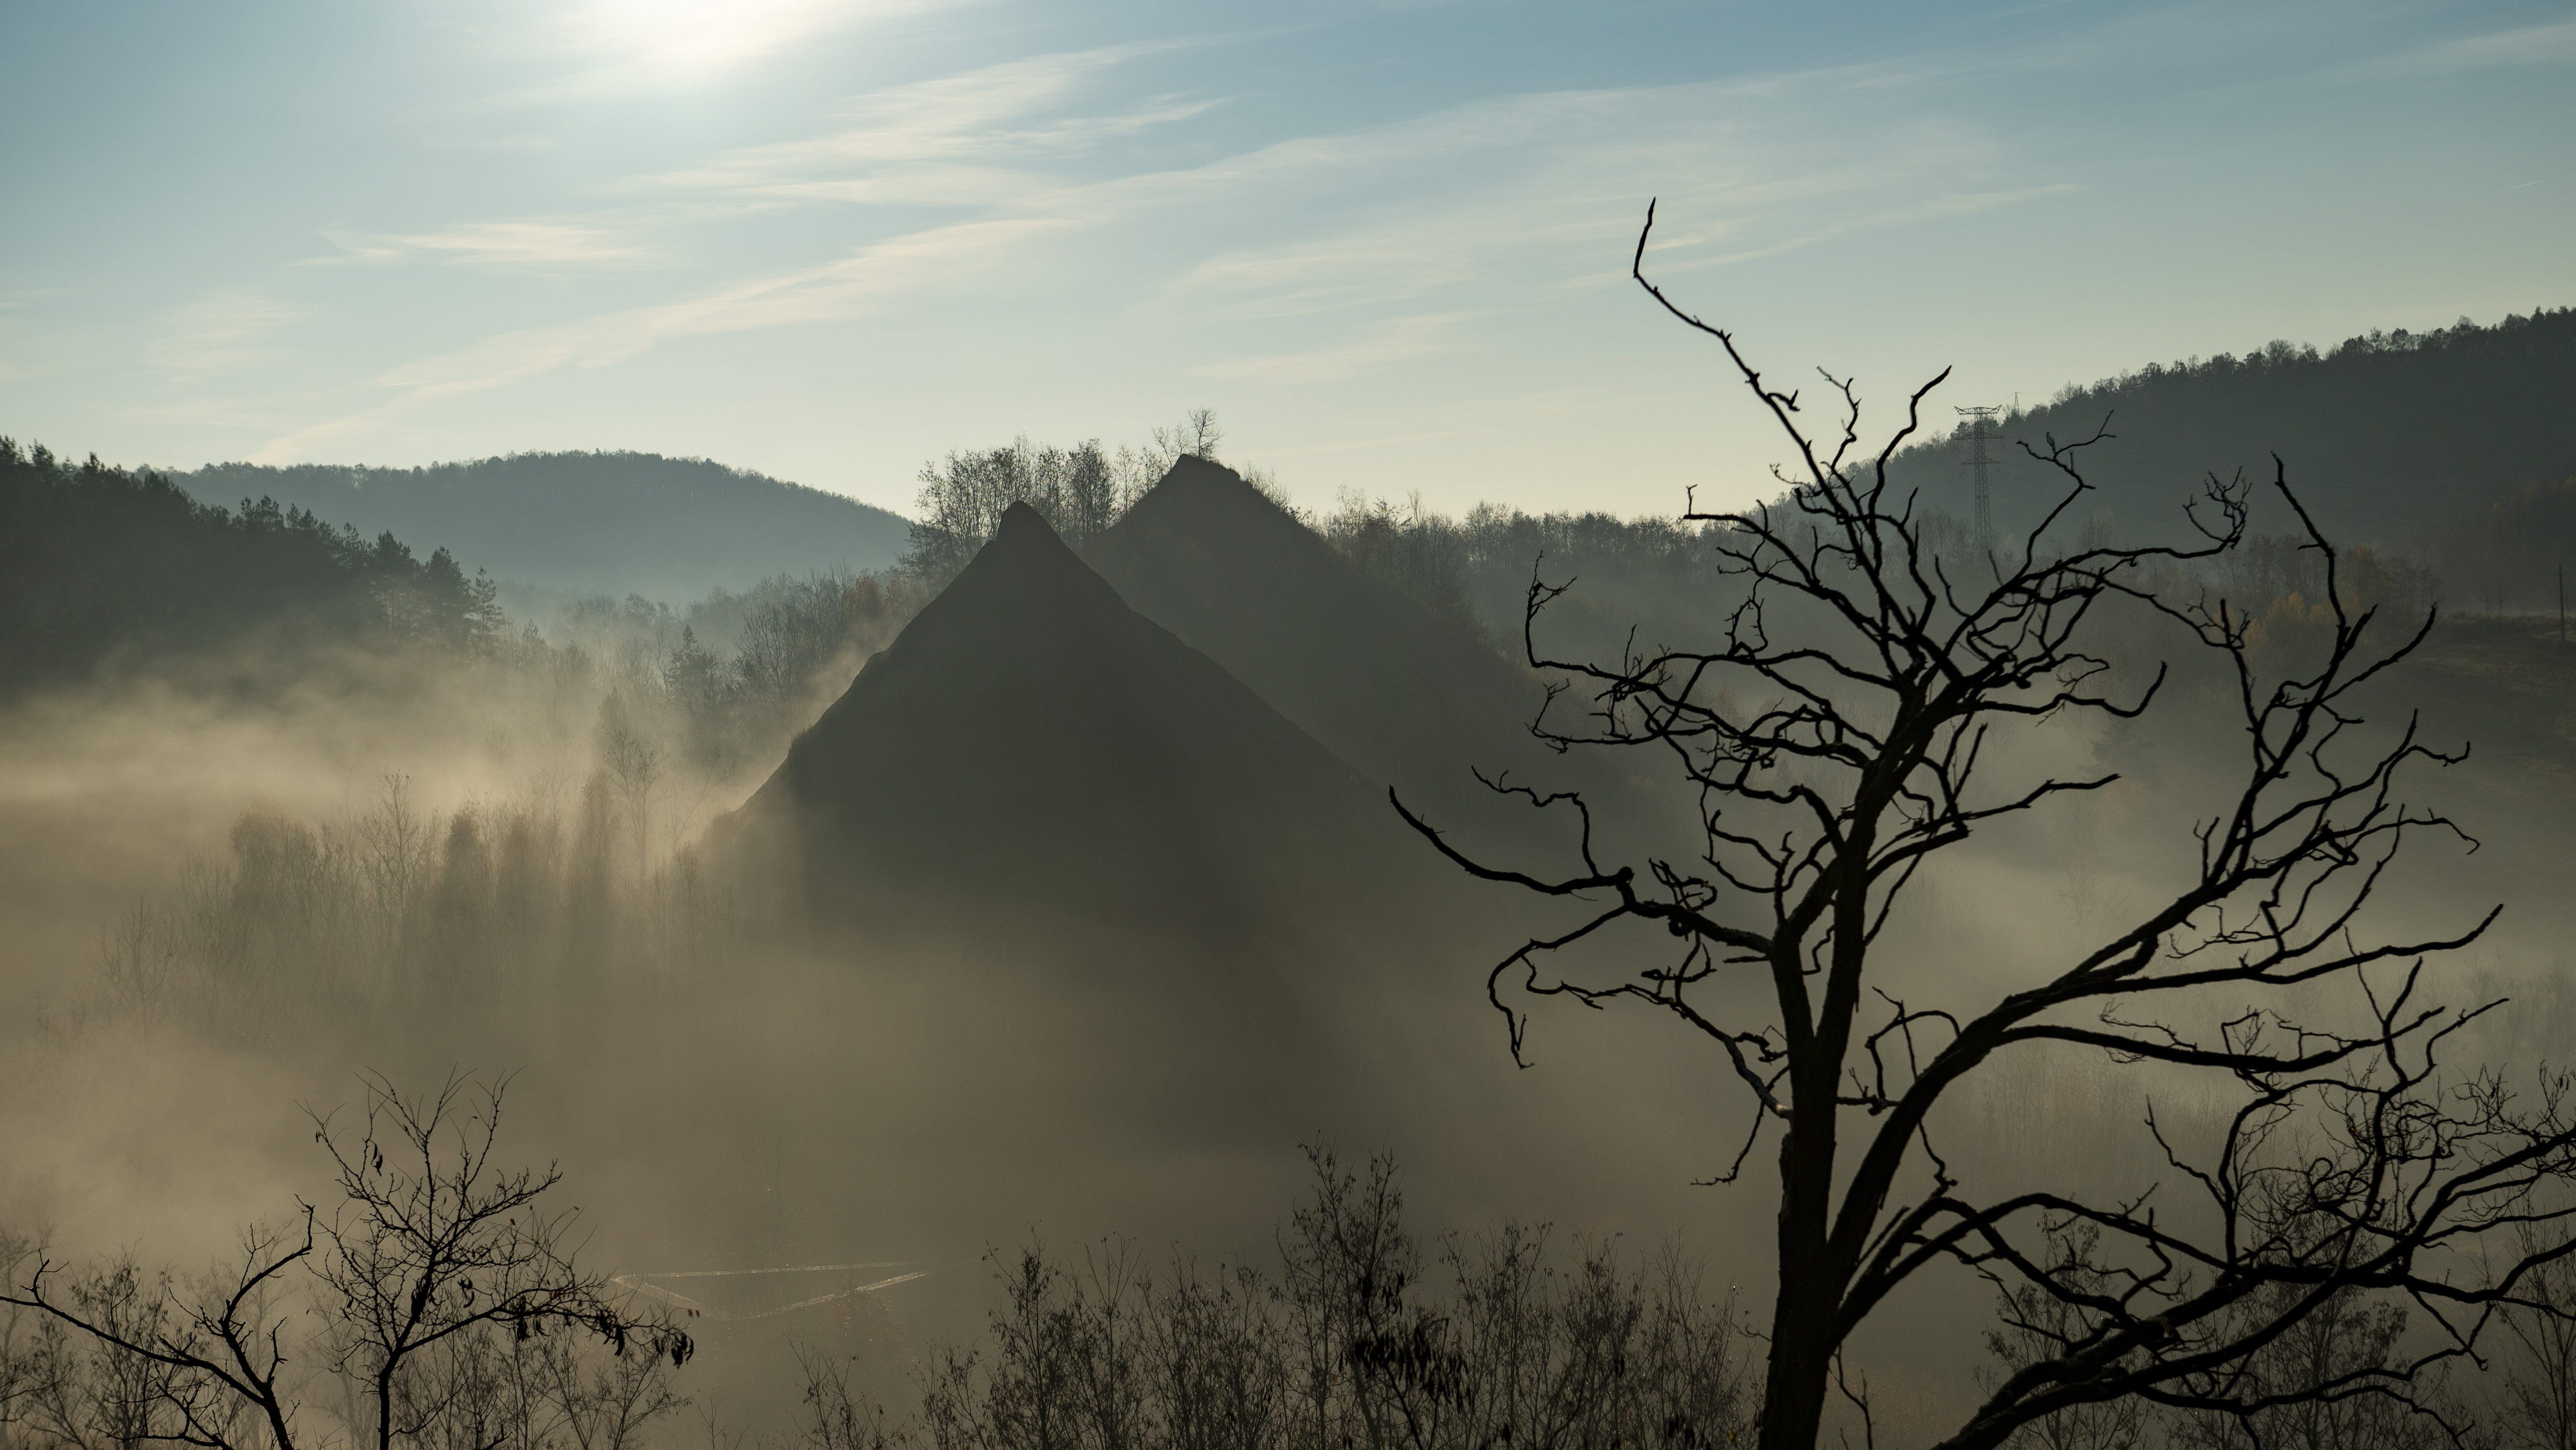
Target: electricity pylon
(1979,420)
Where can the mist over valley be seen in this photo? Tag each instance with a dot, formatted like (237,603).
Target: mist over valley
(1550,874)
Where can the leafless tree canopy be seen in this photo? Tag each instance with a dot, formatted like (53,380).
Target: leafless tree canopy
(1357,1342)
(1840,731)
(1080,490)
(447,1292)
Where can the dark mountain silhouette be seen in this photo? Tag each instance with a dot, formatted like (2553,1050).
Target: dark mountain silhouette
(1409,694)
(589,523)
(1030,745)
(2391,439)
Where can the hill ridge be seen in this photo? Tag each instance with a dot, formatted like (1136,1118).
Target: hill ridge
(596,522)
(2391,439)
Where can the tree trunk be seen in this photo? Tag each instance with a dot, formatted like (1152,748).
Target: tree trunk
(1793,1398)
(1802,1317)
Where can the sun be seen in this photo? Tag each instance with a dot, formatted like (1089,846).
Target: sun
(695,37)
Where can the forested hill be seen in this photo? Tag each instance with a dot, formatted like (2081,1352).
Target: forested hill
(2449,446)
(589,523)
(102,567)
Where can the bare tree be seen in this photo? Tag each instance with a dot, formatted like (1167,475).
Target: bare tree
(2540,1380)
(394,850)
(2033,1326)
(24,1363)
(634,761)
(205,1370)
(1196,436)
(1080,491)
(433,1255)
(1353,1346)
(436,1242)
(1836,734)
(1217,1367)
(2309,1387)
(834,1416)
(1086,493)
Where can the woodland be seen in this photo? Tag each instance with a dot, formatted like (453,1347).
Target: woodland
(1126,961)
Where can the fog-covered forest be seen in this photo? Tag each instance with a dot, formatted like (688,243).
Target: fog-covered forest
(906,725)
(994,997)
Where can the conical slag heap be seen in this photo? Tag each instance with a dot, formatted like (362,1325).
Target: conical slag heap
(1029,743)
(1410,693)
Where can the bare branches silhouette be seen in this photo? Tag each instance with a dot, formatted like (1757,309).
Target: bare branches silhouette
(1839,733)
(436,1267)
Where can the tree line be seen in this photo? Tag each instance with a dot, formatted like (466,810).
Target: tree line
(2444,446)
(441,1297)
(1079,490)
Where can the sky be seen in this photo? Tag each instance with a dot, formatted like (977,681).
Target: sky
(1387,242)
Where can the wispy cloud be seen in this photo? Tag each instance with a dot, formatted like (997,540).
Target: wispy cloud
(1369,267)
(944,132)
(1506,187)
(1474,417)
(1569,176)
(1947,205)
(223,331)
(509,245)
(1378,348)
(844,288)
(2528,45)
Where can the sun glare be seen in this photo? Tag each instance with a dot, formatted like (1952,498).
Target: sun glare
(692,37)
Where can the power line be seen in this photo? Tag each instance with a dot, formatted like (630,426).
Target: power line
(642,1283)
(790,1269)
(1980,425)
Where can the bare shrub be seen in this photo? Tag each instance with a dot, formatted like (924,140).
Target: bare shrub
(1358,1343)
(451,1315)
(2536,1408)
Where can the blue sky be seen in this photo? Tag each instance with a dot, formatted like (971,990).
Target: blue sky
(1387,242)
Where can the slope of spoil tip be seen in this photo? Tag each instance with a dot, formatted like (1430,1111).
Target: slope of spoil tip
(1410,694)
(1030,740)
(1086,895)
